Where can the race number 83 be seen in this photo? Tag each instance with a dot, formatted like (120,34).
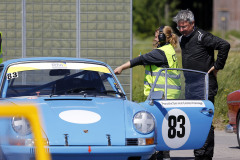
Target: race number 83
(173,121)
(12,75)
(176,128)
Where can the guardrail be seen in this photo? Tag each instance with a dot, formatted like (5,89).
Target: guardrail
(29,112)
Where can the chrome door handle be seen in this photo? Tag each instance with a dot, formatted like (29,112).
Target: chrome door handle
(207,111)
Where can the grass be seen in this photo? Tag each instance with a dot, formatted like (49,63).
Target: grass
(228,80)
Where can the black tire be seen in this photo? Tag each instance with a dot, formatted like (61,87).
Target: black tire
(2,157)
(153,157)
(238,129)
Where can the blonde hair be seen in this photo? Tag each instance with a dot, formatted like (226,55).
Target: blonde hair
(170,36)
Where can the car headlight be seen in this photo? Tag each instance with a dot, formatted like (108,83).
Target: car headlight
(143,122)
(21,126)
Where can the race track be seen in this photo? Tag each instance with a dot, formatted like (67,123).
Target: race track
(226,148)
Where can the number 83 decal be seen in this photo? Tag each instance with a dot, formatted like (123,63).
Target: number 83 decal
(12,75)
(176,128)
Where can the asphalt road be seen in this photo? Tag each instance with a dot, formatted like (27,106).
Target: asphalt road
(226,148)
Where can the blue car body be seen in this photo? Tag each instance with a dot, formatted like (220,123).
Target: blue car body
(86,115)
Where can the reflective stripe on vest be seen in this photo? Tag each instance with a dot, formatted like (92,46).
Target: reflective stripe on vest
(163,86)
(163,75)
(173,76)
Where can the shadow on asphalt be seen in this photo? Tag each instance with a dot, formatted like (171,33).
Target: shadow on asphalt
(237,147)
(182,158)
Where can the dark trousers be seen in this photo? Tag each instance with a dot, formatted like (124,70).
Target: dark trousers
(206,152)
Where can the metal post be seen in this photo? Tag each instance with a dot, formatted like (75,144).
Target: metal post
(166,77)
(78,29)
(23,28)
(131,45)
(24,36)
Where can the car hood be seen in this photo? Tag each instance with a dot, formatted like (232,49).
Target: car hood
(82,121)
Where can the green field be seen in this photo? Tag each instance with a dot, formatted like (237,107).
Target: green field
(228,79)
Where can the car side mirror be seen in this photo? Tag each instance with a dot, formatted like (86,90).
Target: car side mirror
(155,95)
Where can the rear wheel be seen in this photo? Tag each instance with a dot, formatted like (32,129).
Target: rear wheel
(238,129)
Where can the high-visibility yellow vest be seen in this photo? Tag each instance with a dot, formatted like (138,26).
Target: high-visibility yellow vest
(173,80)
(1,55)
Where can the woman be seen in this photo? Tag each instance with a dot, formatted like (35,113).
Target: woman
(163,56)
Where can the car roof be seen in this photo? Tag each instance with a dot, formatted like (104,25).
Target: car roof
(51,59)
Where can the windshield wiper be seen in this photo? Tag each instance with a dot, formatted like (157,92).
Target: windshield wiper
(80,90)
(113,92)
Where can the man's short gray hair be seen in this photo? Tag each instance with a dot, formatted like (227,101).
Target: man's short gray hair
(185,15)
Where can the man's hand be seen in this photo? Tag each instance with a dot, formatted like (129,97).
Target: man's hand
(213,70)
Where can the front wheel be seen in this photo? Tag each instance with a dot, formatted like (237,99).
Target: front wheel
(2,157)
(238,129)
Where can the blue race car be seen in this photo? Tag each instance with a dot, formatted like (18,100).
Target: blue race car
(86,115)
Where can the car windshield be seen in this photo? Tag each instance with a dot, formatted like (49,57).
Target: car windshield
(60,78)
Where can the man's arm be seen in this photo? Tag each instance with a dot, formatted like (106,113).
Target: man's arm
(219,44)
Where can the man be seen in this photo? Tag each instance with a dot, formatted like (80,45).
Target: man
(198,54)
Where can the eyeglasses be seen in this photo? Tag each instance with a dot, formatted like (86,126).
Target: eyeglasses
(183,27)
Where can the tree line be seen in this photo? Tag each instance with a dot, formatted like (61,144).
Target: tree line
(150,14)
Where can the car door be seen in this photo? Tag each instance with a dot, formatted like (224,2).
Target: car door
(184,122)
